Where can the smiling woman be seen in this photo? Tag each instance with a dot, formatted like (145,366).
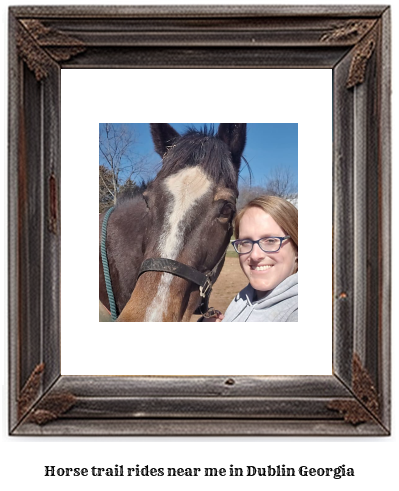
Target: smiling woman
(267,244)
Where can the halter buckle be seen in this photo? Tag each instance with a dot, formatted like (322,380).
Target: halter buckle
(207,287)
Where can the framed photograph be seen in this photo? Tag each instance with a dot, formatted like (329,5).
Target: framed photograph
(51,51)
(179,231)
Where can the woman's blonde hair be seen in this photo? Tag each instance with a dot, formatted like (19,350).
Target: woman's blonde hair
(284,213)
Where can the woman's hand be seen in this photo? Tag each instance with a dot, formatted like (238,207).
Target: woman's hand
(213,315)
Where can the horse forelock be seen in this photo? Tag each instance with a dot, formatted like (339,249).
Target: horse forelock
(195,148)
(204,150)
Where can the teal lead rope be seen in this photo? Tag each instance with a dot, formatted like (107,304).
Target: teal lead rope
(105,265)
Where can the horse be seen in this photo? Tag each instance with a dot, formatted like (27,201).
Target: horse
(183,218)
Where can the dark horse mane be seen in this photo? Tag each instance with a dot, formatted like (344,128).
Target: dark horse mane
(194,148)
(200,148)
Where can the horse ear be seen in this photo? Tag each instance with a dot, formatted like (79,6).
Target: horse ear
(234,135)
(162,135)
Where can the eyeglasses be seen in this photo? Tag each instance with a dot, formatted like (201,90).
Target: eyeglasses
(267,244)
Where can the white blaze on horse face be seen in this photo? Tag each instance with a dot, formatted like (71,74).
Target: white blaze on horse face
(186,188)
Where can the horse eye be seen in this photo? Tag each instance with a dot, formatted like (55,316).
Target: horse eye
(227,210)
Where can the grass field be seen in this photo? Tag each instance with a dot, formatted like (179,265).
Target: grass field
(231,252)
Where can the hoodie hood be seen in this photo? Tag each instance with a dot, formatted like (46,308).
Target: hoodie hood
(279,304)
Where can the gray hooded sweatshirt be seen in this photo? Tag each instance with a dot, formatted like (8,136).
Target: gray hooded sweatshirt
(279,304)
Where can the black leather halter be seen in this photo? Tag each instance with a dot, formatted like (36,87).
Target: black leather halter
(204,281)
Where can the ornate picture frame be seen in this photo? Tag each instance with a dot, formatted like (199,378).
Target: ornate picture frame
(354,42)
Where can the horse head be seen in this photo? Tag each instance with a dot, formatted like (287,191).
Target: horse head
(190,206)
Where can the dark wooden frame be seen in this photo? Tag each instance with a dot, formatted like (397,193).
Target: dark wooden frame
(353,41)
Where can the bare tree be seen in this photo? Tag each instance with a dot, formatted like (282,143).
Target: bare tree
(116,145)
(280,182)
(106,186)
(248,192)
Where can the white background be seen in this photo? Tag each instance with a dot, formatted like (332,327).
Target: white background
(266,96)
(374,459)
